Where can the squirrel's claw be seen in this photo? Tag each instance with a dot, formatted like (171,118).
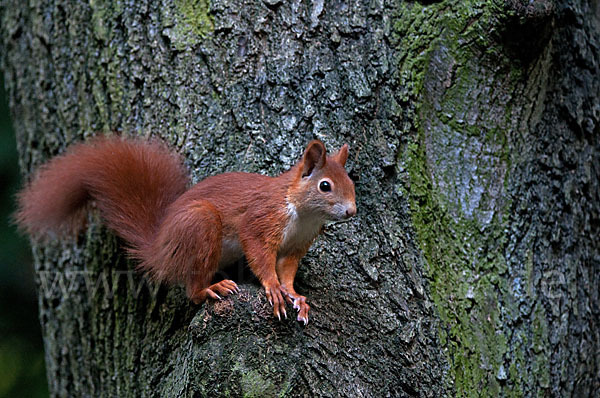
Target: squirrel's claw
(210,293)
(302,307)
(276,300)
(222,289)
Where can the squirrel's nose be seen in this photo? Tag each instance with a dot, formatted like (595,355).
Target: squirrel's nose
(351,211)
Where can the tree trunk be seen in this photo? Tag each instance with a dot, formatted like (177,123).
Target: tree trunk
(473,265)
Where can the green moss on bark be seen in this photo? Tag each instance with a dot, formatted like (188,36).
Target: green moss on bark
(464,285)
(458,163)
(196,16)
(192,21)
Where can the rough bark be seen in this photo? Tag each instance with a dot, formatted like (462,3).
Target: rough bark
(473,265)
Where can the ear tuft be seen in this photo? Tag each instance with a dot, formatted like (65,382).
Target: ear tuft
(314,157)
(342,155)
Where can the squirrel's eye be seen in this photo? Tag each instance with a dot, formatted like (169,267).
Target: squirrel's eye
(325,186)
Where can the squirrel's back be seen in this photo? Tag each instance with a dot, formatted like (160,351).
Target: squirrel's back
(131,181)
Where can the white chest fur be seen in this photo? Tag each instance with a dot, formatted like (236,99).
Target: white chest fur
(300,230)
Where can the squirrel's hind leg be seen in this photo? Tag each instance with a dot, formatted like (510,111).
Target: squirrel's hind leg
(216,291)
(188,249)
(206,248)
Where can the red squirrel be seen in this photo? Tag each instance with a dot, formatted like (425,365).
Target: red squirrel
(182,235)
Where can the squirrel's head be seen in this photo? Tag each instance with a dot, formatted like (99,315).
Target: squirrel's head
(324,187)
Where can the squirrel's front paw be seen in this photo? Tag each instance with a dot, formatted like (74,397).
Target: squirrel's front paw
(299,303)
(302,307)
(275,298)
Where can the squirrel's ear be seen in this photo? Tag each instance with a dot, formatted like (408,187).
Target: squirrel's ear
(342,155)
(314,157)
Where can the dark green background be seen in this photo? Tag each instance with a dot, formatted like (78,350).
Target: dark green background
(22,370)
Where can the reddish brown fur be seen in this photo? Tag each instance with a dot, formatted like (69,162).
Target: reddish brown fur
(131,181)
(184,237)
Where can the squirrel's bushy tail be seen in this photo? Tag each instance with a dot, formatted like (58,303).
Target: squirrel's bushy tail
(131,181)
